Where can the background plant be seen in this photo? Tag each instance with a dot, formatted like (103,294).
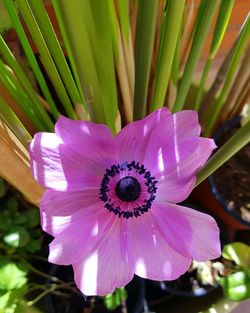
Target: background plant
(236,284)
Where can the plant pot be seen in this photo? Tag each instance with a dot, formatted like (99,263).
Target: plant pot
(181,288)
(209,195)
(75,302)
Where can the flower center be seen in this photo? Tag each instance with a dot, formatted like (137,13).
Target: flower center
(128,189)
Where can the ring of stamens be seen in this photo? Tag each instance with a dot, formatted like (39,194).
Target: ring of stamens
(128,181)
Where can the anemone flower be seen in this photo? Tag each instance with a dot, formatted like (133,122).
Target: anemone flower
(110,201)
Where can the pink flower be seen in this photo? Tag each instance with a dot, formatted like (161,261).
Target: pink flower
(111,200)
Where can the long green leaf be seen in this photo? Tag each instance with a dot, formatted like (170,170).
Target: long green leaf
(22,78)
(14,123)
(20,96)
(30,56)
(123,64)
(221,25)
(232,146)
(219,31)
(46,57)
(242,43)
(101,16)
(145,33)
(74,17)
(204,19)
(124,17)
(128,49)
(55,49)
(176,62)
(67,47)
(172,26)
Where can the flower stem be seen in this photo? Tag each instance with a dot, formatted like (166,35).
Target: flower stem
(231,147)
(40,296)
(42,274)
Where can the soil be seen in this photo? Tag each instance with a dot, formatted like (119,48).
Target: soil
(233,179)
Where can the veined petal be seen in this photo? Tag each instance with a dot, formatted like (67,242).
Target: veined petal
(176,183)
(106,267)
(87,138)
(172,140)
(176,153)
(153,257)
(56,166)
(191,233)
(132,140)
(79,237)
(45,161)
(61,209)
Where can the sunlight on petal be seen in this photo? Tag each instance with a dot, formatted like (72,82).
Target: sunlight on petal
(140,268)
(56,252)
(90,271)
(85,129)
(154,240)
(145,129)
(161,161)
(176,148)
(95,230)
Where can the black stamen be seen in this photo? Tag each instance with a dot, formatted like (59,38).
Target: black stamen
(128,189)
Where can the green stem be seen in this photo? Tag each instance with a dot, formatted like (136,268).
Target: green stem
(40,296)
(36,271)
(42,274)
(46,56)
(145,34)
(20,74)
(68,48)
(232,146)
(34,288)
(20,96)
(30,56)
(243,41)
(172,26)
(55,49)
(202,84)
(37,257)
(203,22)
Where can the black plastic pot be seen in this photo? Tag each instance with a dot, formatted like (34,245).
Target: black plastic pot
(76,302)
(188,293)
(239,221)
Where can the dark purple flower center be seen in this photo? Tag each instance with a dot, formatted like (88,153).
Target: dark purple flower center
(128,189)
(135,191)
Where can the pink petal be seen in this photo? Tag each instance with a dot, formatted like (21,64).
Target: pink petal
(106,267)
(176,183)
(153,257)
(56,166)
(60,209)
(176,153)
(132,140)
(45,161)
(172,140)
(86,138)
(191,233)
(78,238)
